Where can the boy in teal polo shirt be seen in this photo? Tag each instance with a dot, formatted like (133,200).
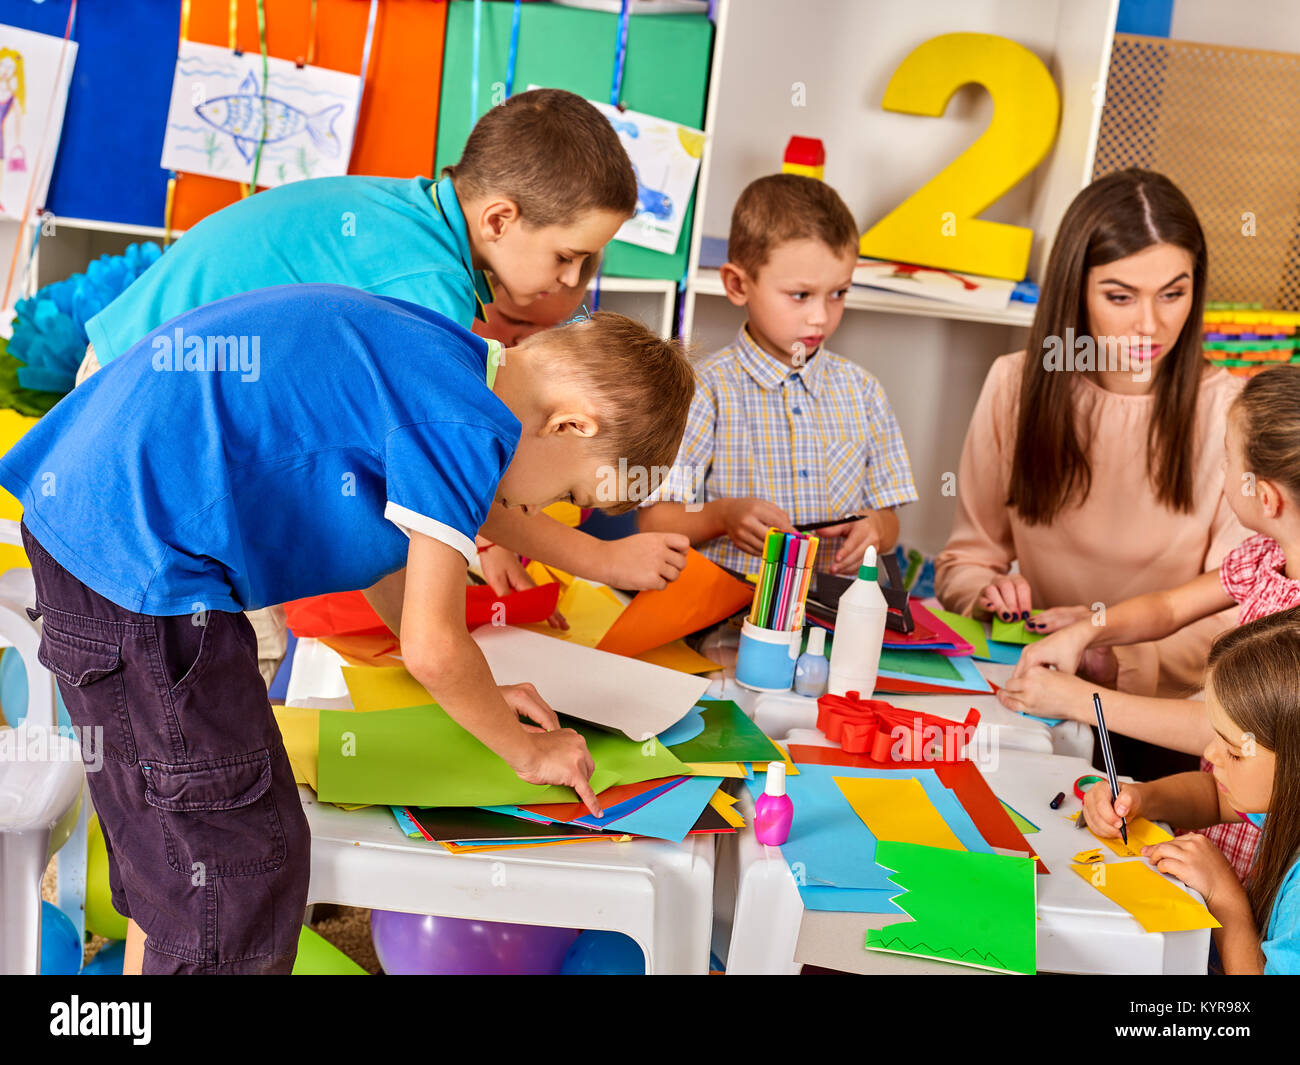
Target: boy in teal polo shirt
(543,185)
(294,441)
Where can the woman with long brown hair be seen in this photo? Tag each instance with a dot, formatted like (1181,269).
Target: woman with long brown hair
(1094,457)
(1252,696)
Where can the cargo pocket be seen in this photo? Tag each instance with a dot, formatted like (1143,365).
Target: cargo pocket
(93,687)
(219,818)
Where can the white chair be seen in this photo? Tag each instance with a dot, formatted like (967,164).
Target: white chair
(41,786)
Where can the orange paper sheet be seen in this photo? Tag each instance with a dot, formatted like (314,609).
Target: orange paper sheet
(702,595)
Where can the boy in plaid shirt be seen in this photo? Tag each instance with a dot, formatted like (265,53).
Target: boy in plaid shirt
(781,431)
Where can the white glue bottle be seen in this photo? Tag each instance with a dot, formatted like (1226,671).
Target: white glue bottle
(859,633)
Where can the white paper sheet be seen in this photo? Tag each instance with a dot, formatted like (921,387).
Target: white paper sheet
(31,114)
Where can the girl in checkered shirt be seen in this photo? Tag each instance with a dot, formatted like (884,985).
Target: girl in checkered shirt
(1261,576)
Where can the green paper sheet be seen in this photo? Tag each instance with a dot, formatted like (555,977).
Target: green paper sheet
(418,756)
(1026,826)
(728,736)
(968,629)
(968,908)
(666,76)
(920,663)
(1014,631)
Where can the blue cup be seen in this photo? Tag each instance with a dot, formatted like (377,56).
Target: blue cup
(765,662)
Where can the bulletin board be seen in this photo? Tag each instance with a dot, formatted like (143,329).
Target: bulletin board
(1223,124)
(666,75)
(399,110)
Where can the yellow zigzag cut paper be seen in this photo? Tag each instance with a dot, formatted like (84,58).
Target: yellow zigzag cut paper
(1141,833)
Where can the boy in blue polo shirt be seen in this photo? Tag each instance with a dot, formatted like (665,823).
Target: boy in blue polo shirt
(285,442)
(542,186)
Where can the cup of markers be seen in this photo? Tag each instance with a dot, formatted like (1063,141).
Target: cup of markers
(772,635)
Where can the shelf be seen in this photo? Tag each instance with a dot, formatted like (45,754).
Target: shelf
(125,228)
(635,284)
(708,283)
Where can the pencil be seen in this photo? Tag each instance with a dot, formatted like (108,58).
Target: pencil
(1110,761)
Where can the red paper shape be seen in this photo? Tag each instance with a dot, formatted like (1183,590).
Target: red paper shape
(350,613)
(929,630)
(963,778)
(882,730)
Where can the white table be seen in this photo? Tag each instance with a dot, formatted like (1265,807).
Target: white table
(1079,930)
(659,893)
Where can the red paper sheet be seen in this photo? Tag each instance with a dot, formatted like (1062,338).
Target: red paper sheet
(962,778)
(350,613)
(568,811)
(929,631)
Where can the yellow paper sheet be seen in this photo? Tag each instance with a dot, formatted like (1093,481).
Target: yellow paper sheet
(898,810)
(300,728)
(1141,833)
(565,513)
(730,770)
(384,688)
(544,574)
(1157,904)
(589,612)
(727,809)
(677,655)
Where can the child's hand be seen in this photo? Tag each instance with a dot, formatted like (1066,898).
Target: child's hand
(560,757)
(1103,816)
(645,560)
(1048,693)
(525,701)
(1063,650)
(857,536)
(1007,597)
(747,520)
(1200,865)
(504,573)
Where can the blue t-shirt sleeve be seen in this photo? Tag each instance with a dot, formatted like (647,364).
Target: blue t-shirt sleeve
(442,478)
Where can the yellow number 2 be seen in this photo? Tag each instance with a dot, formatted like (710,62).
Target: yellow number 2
(937,224)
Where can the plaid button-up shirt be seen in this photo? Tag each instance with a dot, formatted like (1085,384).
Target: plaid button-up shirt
(820,441)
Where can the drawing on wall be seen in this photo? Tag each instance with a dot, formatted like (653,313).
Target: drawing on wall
(666,158)
(31,114)
(303,119)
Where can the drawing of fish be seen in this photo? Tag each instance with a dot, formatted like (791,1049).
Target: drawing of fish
(239,115)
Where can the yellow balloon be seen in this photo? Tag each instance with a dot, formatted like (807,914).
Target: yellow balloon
(101,918)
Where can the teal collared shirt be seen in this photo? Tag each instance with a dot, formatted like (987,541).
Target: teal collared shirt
(404,238)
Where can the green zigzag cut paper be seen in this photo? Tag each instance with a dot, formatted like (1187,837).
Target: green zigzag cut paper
(968,908)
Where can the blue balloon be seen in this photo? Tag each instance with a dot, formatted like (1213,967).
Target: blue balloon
(108,960)
(60,946)
(600,953)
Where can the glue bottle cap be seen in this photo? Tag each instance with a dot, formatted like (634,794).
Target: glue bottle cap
(775,779)
(816,641)
(867,571)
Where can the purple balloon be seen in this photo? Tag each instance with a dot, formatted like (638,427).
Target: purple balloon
(414,944)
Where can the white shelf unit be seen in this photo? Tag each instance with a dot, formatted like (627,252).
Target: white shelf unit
(821,72)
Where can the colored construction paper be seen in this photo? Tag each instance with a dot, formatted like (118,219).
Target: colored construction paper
(525,844)
(702,595)
(729,736)
(366,650)
(831,849)
(1018,819)
(930,671)
(963,778)
(615,802)
(730,770)
(687,728)
(971,909)
(1004,654)
(609,690)
(897,810)
(1141,833)
(677,655)
(419,756)
(1014,631)
(724,804)
(639,700)
(1157,904)
(929,631)
(968,629)
(589,612)
(457,824)
(299,729)
(1090,857)
(669,816)
(407,824)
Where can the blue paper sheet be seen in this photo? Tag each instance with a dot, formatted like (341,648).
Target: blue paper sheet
(1005,654)
(406,823)
(832,852)
(672,815)
(687,728)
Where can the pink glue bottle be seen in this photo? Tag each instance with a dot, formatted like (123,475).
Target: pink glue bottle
(773,812)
